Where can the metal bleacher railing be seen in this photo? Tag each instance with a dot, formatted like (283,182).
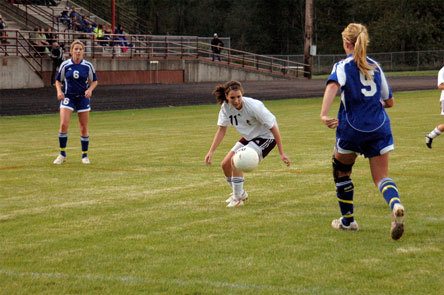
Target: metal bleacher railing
(149,47)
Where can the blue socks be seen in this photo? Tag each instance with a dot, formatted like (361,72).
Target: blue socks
(389,191)
(63,139)
(84,140)
(344,192)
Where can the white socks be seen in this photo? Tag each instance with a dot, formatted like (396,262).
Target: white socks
(238,186)
(434,133)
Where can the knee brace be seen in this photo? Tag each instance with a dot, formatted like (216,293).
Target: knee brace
(340,167)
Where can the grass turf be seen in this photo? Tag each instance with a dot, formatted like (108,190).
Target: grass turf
(147,216)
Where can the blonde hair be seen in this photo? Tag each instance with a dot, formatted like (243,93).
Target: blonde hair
(221,91)
(75,42)
(357,35)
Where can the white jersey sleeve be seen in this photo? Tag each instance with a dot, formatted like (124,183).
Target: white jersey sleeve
(223,119)
(441,81)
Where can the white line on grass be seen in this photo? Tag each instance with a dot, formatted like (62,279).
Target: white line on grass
(133,196)
(134,280)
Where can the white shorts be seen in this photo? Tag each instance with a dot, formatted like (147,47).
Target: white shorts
(442,107)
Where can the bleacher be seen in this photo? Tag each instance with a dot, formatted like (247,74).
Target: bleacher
(123,48)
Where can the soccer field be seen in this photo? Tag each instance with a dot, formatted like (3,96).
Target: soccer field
(147,216)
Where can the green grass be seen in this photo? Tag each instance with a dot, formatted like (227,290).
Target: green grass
(147,216)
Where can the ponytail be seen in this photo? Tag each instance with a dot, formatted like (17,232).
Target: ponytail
(221,91)
(357,35)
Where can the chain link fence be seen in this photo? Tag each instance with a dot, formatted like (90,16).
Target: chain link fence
(390,61)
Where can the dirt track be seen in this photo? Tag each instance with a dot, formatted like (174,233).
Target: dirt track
(43,100)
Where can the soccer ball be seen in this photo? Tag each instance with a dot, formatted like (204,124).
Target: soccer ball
(246,159)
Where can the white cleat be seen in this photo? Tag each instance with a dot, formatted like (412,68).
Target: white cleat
(86,160)
(59,160)
(397,228)
(337,224)
(230,198)
(237,202)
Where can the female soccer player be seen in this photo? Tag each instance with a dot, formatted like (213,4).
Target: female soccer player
(258,128)
(440,128)
(79,80)
(363,126)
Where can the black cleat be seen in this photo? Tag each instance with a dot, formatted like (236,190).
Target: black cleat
(429,141)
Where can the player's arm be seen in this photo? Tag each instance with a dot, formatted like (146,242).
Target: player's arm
(386,93)
(218,137)
(441,86)
(330,93)
(58,87)
(92,86)
(277,137)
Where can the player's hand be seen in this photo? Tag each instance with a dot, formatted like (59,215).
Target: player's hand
(60,95)
(209,158)
(286,160)
(330,122)
(88,93)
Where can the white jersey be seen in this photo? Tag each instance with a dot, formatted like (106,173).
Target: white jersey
(253,120)
(441,81)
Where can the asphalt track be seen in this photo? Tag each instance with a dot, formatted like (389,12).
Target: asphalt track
(118,97)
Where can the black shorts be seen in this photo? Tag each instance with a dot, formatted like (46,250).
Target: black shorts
(265,145)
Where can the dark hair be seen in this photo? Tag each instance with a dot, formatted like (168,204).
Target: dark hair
(221,91)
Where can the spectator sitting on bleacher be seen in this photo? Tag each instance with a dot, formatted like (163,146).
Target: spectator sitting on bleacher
(107,34)
(38,40)
(86,25)
(50,37)
(120,39)
(76,20)
(99,34)
(64,17)
(3,35)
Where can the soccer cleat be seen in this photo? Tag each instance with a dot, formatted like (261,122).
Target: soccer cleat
(397,228)
(85,160)
(428,141)
(337,224)
(231,197)
(59,160)
(236,202)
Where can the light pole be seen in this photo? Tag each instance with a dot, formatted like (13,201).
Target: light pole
(308,39)
(113,15)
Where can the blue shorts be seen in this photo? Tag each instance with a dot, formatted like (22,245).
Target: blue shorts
(77,103)
(369,144)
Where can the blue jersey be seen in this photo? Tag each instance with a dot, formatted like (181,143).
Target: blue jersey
(76,76)
(361,99)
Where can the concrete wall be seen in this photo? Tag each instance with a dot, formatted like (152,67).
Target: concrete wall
(15,73)
(199,71)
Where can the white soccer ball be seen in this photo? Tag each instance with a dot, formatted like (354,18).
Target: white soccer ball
(246,159)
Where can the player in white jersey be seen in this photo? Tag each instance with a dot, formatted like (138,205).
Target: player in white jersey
(257,126)
(363,127)
(78,79)
(440,128)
